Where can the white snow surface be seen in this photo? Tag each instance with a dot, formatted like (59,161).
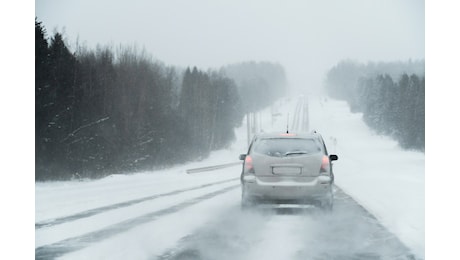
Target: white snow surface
(388,181)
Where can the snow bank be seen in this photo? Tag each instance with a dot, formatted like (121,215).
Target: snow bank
(375,171)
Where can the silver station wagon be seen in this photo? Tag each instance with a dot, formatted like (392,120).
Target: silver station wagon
(287,168)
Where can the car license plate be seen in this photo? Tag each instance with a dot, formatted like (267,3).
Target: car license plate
(287,170)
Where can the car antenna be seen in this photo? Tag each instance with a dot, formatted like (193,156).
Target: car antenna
(287,125)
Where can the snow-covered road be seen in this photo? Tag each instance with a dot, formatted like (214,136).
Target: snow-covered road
(291,233)
(168,214)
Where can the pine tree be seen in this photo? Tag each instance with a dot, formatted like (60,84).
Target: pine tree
(389,107)
(43,99)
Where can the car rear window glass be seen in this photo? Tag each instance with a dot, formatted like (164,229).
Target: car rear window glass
(286,146)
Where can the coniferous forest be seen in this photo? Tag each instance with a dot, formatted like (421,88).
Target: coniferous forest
(112,110)
(391,97)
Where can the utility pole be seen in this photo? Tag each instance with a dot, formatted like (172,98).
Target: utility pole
(248,127)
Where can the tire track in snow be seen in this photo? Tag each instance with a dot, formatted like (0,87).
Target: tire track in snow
(300,118)
(91,212)
(305,118)
(76,243)
(295,119)
(350,232)
(232,233)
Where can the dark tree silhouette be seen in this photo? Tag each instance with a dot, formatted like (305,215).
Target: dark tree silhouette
(101,111)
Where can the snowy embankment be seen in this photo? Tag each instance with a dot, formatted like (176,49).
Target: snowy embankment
(386,180)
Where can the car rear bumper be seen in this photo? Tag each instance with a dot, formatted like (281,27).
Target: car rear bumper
(318,189)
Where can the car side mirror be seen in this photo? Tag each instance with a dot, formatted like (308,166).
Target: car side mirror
(333,157)
(242,157)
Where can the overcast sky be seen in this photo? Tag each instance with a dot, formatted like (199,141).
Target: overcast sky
(307,37)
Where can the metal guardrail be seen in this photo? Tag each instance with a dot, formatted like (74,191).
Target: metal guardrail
(212,168)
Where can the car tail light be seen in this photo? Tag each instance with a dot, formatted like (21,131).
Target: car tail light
(248,166)
(325,165)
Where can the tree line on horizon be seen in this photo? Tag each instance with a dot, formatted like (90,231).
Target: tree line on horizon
(390,95)
(105,111)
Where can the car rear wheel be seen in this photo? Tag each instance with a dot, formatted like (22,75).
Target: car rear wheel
(246,201)
(327,204)
(245,204)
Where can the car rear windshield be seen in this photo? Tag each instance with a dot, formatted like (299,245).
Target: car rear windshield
(279,147)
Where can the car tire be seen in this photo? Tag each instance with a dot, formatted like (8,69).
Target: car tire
(246,202)
(327,207)
(245,205)
(328,204)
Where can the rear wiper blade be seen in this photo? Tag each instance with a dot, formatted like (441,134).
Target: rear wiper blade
(295,152)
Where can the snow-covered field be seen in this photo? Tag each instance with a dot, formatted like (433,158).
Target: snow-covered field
(386,180)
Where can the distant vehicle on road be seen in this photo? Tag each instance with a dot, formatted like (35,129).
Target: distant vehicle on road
(287,168)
